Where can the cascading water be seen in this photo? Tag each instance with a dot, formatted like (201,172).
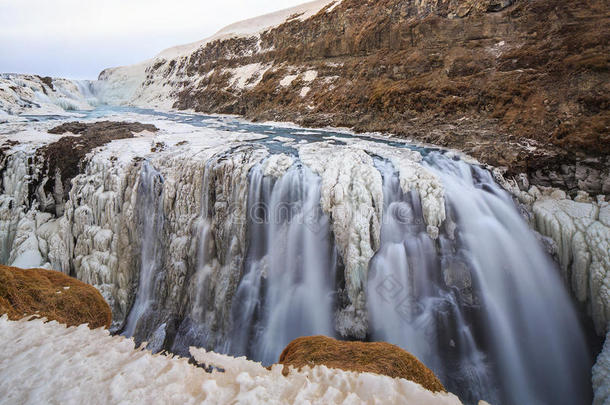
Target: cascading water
(150,221)
(490,289)
(528,325)
(408,304)
(288,283)
(87,89)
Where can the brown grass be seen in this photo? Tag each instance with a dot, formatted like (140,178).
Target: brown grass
(43,293)
(372,357)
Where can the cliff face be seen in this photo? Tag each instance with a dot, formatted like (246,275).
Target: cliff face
(521,84)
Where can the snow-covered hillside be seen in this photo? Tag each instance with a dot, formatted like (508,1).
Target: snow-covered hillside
(156,82)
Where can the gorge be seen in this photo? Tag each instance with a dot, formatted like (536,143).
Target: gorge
(488,260)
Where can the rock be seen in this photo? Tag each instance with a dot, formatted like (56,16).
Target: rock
(370,357)
(63,158)
(52,295)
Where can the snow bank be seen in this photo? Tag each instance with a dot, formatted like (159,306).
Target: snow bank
(49,363)
(247,76)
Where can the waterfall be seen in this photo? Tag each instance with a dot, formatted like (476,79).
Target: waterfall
(240,247)
(489,309)
(288,283)
(150,221)
(88,90)
(408,304)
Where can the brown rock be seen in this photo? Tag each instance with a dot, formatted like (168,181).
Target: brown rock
(371,357)
(52,295)
(64,157)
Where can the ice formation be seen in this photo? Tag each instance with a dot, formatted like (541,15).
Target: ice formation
(581,231)
(80,365)
(351,195)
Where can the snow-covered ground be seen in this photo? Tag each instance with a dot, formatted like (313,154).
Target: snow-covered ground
(49,363)
(253,26)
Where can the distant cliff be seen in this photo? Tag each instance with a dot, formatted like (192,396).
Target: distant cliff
(520,84)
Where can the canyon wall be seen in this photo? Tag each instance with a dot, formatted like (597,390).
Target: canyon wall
(517,84)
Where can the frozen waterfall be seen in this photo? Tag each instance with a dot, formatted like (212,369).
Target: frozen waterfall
(223,238)
(482,304)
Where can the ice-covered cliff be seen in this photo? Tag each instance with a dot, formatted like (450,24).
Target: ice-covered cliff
(156,82)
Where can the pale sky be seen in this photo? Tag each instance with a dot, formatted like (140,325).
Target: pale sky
(78,38)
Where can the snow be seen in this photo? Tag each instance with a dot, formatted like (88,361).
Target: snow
(276,165)
(50,363)
(287,80)
(247,76)
(332,7)
(21,94)
(304,91)
(118,85)
(124,85)
(310,75)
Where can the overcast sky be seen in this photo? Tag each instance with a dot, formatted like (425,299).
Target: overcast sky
(79,38)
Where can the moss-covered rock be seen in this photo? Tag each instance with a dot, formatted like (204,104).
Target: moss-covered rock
(371,357)
(52,295)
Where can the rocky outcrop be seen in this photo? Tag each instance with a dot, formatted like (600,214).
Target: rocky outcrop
(62,160)
(520,84)
(371,357)
(51,295)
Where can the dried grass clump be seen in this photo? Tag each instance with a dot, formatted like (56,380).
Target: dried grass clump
(372,357)
(52,295)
